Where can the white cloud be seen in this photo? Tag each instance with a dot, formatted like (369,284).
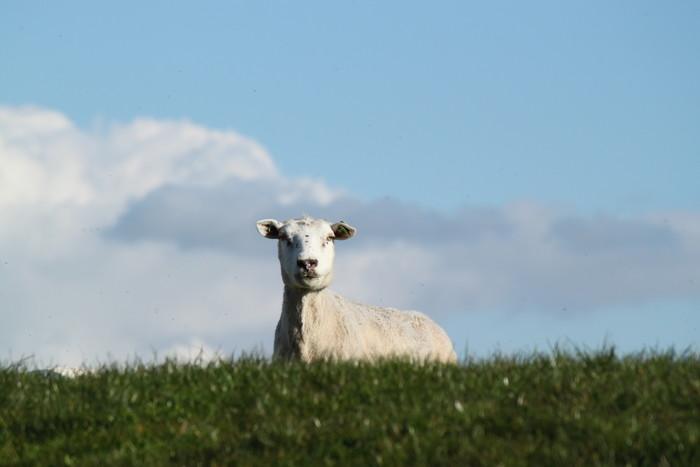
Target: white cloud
(69,293)
(139,238)
(148,154)
(48,160)
(42,159)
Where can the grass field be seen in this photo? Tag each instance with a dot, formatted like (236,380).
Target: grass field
(549,409)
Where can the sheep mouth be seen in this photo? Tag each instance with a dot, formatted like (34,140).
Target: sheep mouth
(306,275)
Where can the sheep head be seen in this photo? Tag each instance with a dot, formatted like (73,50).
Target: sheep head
(306,249)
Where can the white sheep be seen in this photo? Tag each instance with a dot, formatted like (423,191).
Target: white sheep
(318,324)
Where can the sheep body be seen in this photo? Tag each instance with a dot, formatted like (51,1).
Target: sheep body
(325,325)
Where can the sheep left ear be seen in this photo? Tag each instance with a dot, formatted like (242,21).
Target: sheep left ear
(269,228)
(343,231)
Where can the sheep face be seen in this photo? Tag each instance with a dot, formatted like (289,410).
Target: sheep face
(306,249)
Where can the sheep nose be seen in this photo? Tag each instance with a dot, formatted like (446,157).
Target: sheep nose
(307,264)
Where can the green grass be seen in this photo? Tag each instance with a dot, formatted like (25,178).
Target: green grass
(554,409)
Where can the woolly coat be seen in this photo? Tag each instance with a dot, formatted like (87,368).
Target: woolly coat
(324,325)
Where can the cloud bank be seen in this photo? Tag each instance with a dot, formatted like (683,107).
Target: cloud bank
(139,239)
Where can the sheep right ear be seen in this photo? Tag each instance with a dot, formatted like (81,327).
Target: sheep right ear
(269,228)
(343,230)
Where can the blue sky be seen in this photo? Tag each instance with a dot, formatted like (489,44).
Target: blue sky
(588,109)
(590,104)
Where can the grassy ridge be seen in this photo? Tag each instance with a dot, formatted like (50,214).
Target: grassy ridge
(557,409)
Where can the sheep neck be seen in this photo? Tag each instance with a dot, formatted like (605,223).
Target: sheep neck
(299,306)
(298,303)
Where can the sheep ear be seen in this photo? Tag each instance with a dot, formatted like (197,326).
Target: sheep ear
(343,231)
(269,228)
